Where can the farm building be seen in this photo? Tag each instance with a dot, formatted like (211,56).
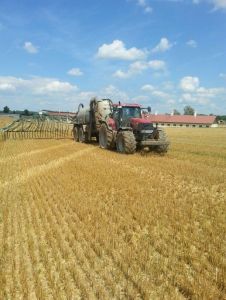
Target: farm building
(184,120)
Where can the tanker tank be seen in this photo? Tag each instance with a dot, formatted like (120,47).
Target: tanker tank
(83,116)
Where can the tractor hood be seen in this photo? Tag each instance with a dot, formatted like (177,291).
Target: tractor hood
(140,121)
(136,121)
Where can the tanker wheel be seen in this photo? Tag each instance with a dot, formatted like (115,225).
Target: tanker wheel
(75,133)
(81,135)
(165,142)
(125,142)
(106,140)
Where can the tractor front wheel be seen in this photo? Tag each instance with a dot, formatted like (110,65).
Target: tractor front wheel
(125,142)
(165,142)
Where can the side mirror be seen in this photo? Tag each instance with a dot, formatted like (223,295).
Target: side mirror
(149,109)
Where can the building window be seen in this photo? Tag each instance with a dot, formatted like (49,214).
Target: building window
(181,125)
(174,124)
(193,125)
(187,125)
(162,124)
(200,126)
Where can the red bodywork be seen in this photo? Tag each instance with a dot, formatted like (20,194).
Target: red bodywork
(134,121)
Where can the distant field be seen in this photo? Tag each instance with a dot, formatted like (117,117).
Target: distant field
(5,121)
(79,222)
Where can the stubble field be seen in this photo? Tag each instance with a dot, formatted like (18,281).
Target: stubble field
(4,121)
(78,222)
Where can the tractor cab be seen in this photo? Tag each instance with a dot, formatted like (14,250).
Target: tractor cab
(130,115)
(123,113)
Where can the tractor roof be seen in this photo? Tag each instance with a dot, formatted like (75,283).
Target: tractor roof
(127,105)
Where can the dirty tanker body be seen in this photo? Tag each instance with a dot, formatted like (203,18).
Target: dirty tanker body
(120,126)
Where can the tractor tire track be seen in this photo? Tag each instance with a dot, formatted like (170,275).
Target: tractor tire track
(28,153)
(41,169)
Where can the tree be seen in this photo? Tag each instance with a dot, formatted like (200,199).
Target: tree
(26,112)
(188,110)
(6,110)
(176,112)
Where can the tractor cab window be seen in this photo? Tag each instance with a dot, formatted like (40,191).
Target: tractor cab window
(116,114)
(131,112)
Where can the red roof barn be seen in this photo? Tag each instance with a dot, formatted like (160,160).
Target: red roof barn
(183,120)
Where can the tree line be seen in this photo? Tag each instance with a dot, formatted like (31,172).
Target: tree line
(25,112)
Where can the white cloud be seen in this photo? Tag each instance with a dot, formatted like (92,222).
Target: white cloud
(134,68)
(56,86)
(10,83)
(114,94)
(36,93)
(148,9)
(171,101)
(30,48)
(139,66)
(144,4)
(84,96)
(75,72)
(222,75)
(117,50)
(217,4)
(157,65)
(140,99)
(147,88)
(35,85)
(156,93)
(162,46)
(189,83)
(160,94)
(192,43)
(210,92)
(194,99)
(6,87)
(168,85)
(121,74)
(195,93)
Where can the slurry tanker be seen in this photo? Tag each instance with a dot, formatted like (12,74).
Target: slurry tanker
(118,126)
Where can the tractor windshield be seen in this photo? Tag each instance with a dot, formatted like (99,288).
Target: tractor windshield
(131,112)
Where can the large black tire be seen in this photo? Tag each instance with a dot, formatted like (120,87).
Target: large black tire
(106,139)
(165,142)
(81,135)
(75,133)
(125,142)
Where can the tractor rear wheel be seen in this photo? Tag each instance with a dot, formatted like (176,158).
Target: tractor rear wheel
(125,142)
(106,140)
(81,135)
(75,133)
(165,142)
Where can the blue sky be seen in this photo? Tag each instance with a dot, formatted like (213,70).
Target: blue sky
(162,53)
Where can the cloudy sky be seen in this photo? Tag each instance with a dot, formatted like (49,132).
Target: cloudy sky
(162,53)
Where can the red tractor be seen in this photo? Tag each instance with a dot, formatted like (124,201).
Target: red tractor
(120,126)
